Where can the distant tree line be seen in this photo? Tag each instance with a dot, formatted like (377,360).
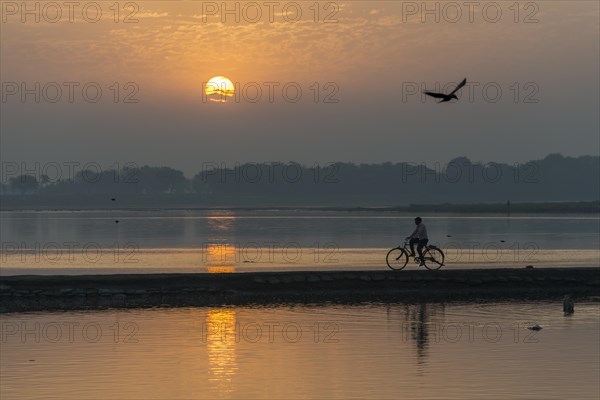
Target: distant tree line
(125,181)
(554,178)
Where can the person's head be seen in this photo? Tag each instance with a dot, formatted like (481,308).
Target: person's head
(418,220)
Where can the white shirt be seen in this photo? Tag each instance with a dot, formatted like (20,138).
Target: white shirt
(420,232)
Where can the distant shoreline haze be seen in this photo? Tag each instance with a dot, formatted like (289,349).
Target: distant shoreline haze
(461,181)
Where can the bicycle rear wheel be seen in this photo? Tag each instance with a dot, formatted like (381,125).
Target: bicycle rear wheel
(434,258)
(396,258)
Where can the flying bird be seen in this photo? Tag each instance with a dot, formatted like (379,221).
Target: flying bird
(447,97)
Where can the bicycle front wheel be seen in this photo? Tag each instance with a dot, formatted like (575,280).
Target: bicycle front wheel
(396,258)
(434,258)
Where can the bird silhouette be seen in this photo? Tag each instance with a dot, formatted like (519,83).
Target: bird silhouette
(447,97)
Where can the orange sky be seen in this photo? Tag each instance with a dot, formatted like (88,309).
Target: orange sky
(368,50)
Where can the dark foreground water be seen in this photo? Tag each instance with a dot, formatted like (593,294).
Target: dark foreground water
(396,351)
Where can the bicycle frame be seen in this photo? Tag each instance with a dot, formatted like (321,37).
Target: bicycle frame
(428,252)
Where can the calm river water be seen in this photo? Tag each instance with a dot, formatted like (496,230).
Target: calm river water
(381,351)
(82,242)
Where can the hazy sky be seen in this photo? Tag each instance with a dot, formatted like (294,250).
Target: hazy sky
(357,63)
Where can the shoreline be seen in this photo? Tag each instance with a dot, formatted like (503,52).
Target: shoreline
(25,293)
(191,202)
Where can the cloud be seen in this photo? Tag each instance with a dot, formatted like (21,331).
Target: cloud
(144,15)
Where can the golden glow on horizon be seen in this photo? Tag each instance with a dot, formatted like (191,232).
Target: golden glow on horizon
(218,89)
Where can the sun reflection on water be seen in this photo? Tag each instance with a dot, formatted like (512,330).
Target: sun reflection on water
(219,258)
(221,348)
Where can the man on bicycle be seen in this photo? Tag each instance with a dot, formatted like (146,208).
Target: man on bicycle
(419,236)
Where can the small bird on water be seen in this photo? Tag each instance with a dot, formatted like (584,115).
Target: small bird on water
(447,97)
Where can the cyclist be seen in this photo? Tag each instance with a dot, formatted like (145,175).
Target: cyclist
(419,237)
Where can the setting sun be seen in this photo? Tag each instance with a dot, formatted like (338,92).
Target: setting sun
(219,88)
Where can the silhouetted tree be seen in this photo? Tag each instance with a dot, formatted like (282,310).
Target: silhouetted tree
(24,184)
(554,178)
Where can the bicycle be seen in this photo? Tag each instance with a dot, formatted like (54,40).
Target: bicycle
(398,257)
